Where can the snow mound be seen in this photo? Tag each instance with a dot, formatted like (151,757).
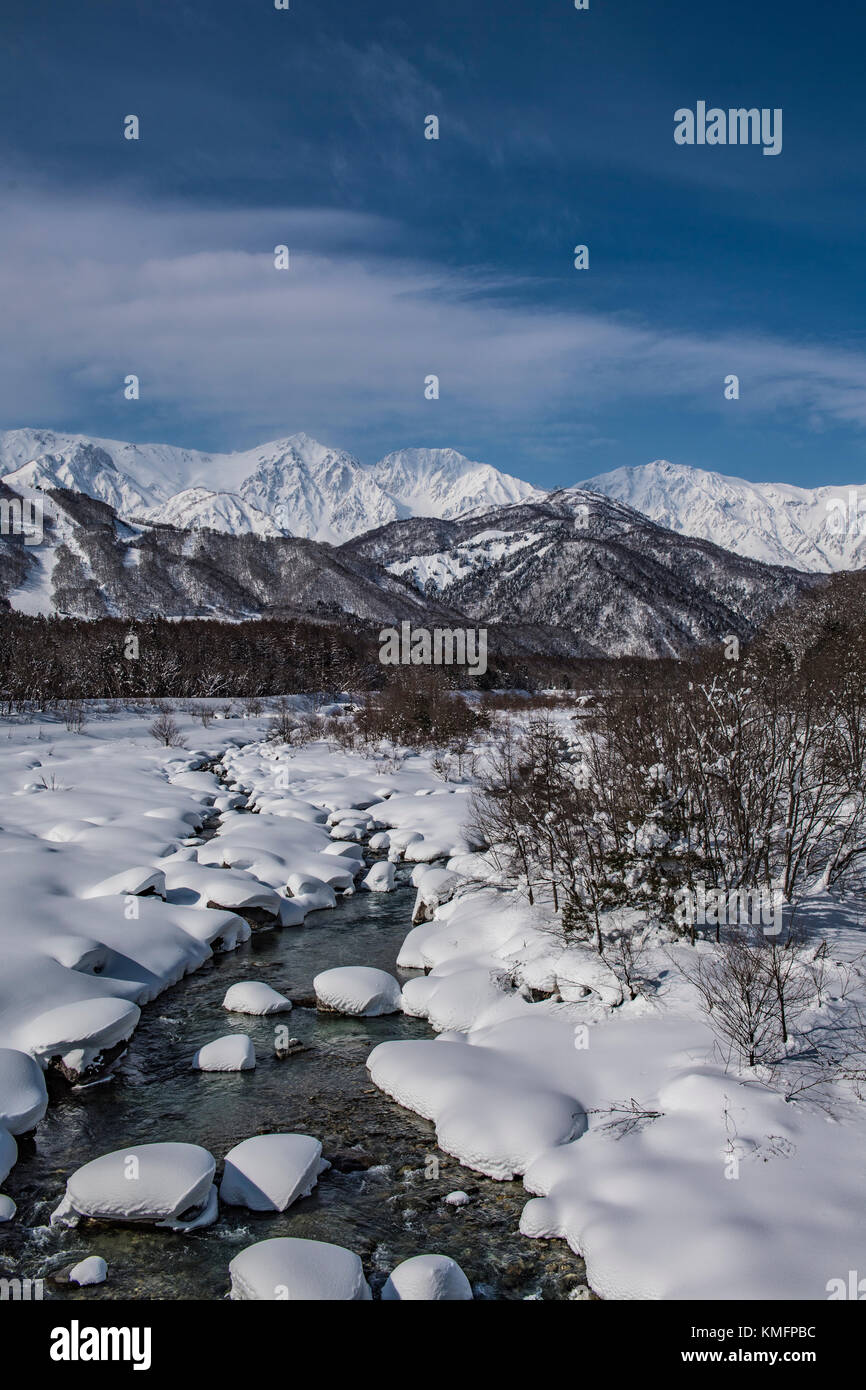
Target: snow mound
(165,1183)
(271,1171)
(8,1153)
(488,1113)
(129,881)
(429,1278)
(358,990)
(234,1052)
(7,1208)
(290,1268)
(93,1270)
(255,997)
(80,1032)
(23,1097)
(380,879)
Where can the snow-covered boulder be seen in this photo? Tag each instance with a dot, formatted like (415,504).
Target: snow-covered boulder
(93,1270)
(292,913)
(255,997)
(8,1153)
(380,842)
(380,879)
(169,1184)
(346,849)
(23,1097)
(435,886)
(358,990)
(79,1033)
(233,1052)
(270,1171)
(7,1208)
(311,893)
(306,1270)
(427,1277)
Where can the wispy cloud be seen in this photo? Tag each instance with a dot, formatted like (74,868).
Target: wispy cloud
(190,301)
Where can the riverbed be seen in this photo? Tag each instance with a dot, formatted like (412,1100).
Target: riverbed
(384,1195)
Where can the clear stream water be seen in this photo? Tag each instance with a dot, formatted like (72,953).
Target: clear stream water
(383,1196)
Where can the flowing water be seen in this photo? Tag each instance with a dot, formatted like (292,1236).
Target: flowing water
(383,1197)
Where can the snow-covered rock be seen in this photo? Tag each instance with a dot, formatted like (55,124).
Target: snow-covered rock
(8,1153)
(23,1095)
(7,1208)
(358,990)
(93,1270)
(287,1268)
(79,1033)
(432,1278)
(271,1171)
(255,997)
(164,1183)
(311,893)
(380,879)
(233,1052)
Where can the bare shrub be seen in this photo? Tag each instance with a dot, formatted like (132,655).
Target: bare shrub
(166,730)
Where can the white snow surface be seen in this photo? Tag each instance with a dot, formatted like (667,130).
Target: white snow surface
(358,990)
(145,1182)
(430,1278)
(271,1171)
(255,997)
(232,1052)
(288,1268)
(93,1270)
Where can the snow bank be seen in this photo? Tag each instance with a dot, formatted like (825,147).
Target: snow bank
(289,1268)
(357,989)
(163,1183)
(427,1277)
(490,1113)
(255,997)
(271,1171)
(79,1033)
(233,1052)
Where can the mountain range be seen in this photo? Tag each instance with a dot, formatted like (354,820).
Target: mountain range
(651,560)
(298,487)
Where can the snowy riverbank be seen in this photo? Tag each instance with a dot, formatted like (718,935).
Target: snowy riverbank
(674,1176)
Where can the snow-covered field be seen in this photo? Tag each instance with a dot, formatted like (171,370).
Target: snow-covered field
(675,1175)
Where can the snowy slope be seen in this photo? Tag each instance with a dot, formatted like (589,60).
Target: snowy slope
(774,522)
(197,508)
(441,482)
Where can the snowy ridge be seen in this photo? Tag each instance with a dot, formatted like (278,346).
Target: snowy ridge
(291,487)
(774,522)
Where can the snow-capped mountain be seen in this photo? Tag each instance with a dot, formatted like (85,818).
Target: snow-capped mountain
(441,482)
(817,529)
(583,575)
(294,486)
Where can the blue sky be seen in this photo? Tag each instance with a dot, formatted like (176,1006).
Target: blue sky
(409,257)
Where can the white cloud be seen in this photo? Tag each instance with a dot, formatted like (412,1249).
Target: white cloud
(95,288)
